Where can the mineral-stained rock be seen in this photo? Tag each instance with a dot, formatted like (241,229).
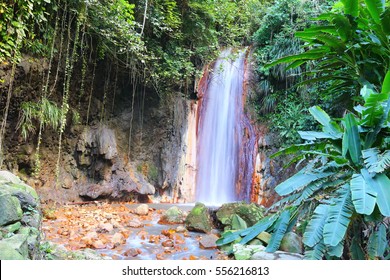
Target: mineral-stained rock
(199,219)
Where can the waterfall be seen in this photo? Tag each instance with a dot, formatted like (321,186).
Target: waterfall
(221,129)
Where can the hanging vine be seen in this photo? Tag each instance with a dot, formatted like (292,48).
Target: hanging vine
(69,64)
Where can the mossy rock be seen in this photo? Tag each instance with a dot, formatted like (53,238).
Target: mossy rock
(17,242)
(7,179)
(172,216)
(13,227)
(9,253)
(250,213)
(199,219)
(10,210)
(292,243)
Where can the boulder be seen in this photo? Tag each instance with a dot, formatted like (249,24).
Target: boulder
(172,216)
(94,191)
(250,213)
(278,255)
(199,219)
(9,253)
(245,252)
(18,242)
(142,210)
(292,243)
(10,210)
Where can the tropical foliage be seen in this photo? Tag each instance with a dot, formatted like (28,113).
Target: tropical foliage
(340,199)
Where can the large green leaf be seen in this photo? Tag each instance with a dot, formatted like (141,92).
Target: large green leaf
(299,180)
(381,185)
(323,118)
(258,228)
(351,7)
(344,27)
(340,212)
(238,223)
(377,243)
(357,252)
(314,230)
(375,161)
(363,196)
(353,139)
(309,55)
(375,8)
(385,20)
(386,83)
(317,252)
(336,251)
(280,229)
(314,135)
(373,109)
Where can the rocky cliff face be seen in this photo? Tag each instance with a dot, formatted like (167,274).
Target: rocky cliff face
(131,152)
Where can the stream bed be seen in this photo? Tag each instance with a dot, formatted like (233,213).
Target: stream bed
(116,231)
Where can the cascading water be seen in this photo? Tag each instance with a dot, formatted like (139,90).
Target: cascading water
(220,133)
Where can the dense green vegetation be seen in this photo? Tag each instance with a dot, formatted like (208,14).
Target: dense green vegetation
(314,60)
(340,199)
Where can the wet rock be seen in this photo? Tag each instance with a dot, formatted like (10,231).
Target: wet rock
(132,252)
(245,252)
(10,210)
(181,229)
(278,255)
(168,243)
(172,216)
(291,243)
(142,210)
(208,241)
(135,223)
(199,219)
(250,213)
(118,239)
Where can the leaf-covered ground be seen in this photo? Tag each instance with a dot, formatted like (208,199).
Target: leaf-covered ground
(115,230)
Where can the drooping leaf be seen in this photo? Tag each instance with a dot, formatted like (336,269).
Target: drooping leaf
(314,135)
(353,139)
(336,251)
(363,196)
(317,252)
(386,84)
(299,180)
(351,7)
(375,8)
(314,230)
(280,229)
(377,243)
(357,252)
(380,184)
(375,161)
(238,223)
(340,212)
(258,228)
(385,20)
(323,118)
(344,27)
